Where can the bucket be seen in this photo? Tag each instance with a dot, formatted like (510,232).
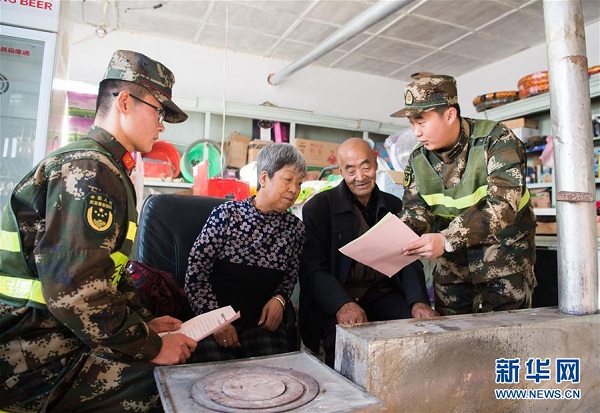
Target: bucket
(228,188)
(162,161)
(194,154)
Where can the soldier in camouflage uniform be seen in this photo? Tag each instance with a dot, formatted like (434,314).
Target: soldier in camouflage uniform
(74,336)
(465,195)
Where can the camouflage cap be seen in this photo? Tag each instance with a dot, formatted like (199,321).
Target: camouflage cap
(154,76)
(426,93)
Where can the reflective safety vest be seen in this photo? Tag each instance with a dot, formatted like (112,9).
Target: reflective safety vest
(19,286)
(451,202)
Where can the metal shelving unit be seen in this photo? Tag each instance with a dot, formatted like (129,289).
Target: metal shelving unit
(540,106)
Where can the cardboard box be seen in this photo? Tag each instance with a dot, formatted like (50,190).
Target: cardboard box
(541,198)
(318,153)
(525,134)
(520,123)
(313,173)
(254,148)
(237,150)
(545,228)
(391,182)
(549,228)
(397,176)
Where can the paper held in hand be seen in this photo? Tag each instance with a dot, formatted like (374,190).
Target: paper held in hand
(381,246)
(204,325)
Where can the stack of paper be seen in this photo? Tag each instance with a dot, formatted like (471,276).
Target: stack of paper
(204,325)
(381,246)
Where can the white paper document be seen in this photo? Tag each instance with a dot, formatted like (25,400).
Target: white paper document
(381,246)
(204,325)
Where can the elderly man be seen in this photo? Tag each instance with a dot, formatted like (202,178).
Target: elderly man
(335,289)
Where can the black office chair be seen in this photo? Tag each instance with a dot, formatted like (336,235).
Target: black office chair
(168,227)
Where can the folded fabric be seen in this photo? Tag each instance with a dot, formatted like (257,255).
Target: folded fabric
(158,290)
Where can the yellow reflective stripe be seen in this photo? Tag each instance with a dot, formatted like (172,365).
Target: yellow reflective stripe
(524,199)
(131,230)
(469,200)
(22,289)
(28,289)
(120,260)
(9,241)
(459,203)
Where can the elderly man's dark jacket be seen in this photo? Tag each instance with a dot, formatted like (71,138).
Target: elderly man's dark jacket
(331,223)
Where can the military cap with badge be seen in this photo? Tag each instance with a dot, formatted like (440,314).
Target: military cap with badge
(135,67)
(426,93)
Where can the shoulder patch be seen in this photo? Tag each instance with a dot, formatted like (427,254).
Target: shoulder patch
(407,176)
(99,212)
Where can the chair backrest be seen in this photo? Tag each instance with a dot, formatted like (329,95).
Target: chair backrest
(168,226)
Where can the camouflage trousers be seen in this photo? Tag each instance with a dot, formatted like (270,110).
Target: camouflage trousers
(511,292)
(95,383)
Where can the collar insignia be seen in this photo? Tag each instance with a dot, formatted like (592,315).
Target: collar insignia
(128,161)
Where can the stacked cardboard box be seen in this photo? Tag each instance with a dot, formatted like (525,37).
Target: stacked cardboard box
(524,128)
(318,153)
(254,148)
(237,150)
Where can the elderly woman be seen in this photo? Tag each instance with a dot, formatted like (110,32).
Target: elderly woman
(248,256)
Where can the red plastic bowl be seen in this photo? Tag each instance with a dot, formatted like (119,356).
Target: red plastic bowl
(165,153)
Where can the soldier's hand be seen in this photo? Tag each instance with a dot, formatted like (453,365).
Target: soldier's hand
(351,313)
(428,246)
(176,349)
(164,323)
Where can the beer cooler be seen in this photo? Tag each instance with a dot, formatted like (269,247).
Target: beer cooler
(27,64)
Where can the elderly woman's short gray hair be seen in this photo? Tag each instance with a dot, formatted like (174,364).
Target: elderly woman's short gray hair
(275,156)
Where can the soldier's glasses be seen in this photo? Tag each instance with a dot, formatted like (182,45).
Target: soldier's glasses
(161,112)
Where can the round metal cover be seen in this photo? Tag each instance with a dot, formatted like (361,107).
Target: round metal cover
(255,389)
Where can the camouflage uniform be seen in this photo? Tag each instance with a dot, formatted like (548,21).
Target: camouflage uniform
(85,345)
(73,333)
(475,195)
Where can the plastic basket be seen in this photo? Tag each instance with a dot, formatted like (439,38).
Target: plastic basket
(194,154)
